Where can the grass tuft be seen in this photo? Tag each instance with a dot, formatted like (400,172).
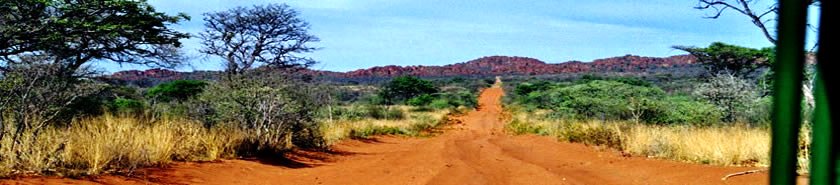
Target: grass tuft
(115,143)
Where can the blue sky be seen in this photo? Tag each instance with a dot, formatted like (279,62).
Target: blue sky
(359,34)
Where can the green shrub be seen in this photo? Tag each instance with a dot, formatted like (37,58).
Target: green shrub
(403,88)
(421,100)
(526,88)
(383,112)
(279,113)
(176,90)
(440,104)
(603,100)
(685,110)
(123,105)
(759,111)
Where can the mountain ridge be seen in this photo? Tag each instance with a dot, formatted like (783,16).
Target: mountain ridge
(484,66)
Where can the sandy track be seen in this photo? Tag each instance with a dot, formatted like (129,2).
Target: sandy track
(477,151)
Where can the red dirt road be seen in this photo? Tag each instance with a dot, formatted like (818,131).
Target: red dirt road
(477,151)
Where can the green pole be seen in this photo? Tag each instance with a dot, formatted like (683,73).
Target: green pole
(824,157)
(788,94)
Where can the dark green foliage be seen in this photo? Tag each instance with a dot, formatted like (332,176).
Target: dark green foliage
(739,61)
(602,99)
(127,106)
(525,88)
(403,88)
(421,100)
(76,32)
(627,80)
(616,100)
(445,100)
(178,90)
(460,98)
(686,110)
(440,104)
(489,80)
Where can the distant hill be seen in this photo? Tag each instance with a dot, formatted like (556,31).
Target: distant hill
(680,65)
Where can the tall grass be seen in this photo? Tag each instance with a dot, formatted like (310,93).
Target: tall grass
(116,143)
(414,123)
(735,145)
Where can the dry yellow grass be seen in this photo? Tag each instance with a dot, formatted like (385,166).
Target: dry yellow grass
(95,145)
(414,122)
(735,145)
(732,145)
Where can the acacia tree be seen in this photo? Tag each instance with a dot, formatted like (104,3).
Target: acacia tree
(736,60)
(403,88)
(45,44)
(75,32)
(272,35)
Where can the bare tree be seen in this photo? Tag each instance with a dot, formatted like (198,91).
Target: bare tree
(761,17)
(244,37)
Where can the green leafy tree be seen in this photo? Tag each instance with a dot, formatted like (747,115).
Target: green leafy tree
(75,32)
(725,58)
(177,90)
(45,44)
(403,88)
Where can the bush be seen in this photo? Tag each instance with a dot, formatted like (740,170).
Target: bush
(382,112)
(730,94)
(604,100)
(421,100)
(685,110)
(177,90)
(279,113)
(440,104)
(127,106)
(523,89)
(403,88)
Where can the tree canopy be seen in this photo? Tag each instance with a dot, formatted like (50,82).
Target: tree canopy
(73,32)
(405,87)
(176,90)
(244,37)
(737,60)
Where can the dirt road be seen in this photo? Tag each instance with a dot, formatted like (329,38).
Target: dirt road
(477,151)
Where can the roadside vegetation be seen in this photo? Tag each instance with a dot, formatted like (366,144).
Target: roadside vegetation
(58,117)
(402,106)
(722,119)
